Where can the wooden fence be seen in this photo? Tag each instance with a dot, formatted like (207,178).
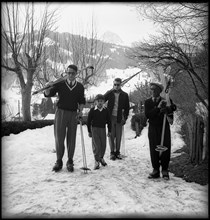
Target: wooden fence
(197,138)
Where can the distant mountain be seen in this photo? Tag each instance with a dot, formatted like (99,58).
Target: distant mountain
(116,52)
(112,38)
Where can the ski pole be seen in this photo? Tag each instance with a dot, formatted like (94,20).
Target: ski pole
(83,149)
(123,139)
(160,147)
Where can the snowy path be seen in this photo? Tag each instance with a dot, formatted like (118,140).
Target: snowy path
(29,188)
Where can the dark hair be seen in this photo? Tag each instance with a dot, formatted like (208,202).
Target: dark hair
(99,96)
(74,67)
(118,80)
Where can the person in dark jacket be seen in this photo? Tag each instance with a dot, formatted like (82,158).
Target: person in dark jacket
(69,109)
(118,106)
(155,108)
(98,117)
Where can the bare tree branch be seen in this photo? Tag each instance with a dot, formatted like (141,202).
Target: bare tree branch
(20,35)
(183,36)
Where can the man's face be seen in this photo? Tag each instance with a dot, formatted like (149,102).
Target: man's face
(155,90)
(71,74)
(99,103)
(117,85)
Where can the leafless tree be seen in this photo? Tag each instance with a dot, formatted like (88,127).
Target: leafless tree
(88,50)
(141,92)
(23,35)
(182,44)
(182,37)
(192,16)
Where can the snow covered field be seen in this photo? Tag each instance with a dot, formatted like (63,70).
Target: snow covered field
(31,189)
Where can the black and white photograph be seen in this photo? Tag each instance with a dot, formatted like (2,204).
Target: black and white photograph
(104,110)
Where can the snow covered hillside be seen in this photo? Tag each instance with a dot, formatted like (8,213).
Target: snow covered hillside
(117,73)
(31,189)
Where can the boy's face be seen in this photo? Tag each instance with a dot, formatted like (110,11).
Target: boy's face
(117,85)
(99,103)
(71,74)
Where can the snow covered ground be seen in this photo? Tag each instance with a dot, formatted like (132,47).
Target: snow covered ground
(31,189)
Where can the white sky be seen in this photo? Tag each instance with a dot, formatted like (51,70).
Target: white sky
(120,18)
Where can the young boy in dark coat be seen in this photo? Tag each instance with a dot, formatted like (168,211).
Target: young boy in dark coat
(98,117)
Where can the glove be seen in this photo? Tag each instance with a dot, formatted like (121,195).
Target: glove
(123,121)
(162,104)
(164,110)
(90,134)
(173,107)
(79,115)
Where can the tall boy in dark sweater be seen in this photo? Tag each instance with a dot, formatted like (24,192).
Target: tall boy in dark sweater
(69,109)
(98,117)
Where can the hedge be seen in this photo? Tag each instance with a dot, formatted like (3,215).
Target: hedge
(15,127)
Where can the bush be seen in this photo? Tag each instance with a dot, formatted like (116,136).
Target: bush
(15,127)
(183,168)
(141,119)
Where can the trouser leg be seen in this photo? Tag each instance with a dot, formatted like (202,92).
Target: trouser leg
(118,137)
(165,157)
(154,134)
(113,135)
(103,141)
(71,134)
(96,143)
(60,132)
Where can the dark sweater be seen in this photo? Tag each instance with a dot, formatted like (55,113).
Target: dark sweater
(68,98)
(123,104)
(98,119)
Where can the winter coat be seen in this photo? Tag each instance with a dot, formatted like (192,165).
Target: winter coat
(123,104)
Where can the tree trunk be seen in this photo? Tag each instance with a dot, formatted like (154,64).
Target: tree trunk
(205,139)
(26,103)
(189,122)
(137,128)
(201,134)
